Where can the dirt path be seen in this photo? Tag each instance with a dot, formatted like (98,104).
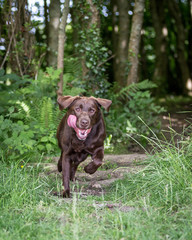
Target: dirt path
(175,124)
(114,167)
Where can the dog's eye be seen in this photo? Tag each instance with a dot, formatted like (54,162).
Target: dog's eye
(92,110)
(77,109)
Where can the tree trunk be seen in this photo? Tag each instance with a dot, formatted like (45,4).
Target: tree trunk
(190,37)
(95,18)
(134,41)
(122,46)
(61,42)
(114,37)
(181,51)
(158,18)
(75,23)
(93,21)
(54,14)
(46,29)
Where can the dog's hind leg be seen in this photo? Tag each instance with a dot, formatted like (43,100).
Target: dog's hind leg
(59,164)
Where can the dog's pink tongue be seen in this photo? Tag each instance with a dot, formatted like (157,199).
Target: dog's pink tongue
(72,119)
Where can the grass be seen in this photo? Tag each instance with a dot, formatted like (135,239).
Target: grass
(160,197)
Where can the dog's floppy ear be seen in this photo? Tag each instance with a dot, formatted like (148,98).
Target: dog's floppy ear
(103,102)
(65,101)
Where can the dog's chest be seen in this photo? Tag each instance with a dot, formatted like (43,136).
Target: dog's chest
(78,146)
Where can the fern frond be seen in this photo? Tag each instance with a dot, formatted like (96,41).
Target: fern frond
(73,67)
(125,92)
(46,113)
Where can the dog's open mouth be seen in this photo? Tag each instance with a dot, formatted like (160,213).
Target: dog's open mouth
(81,133)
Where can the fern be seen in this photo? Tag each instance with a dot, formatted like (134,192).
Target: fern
(73,67)
(70,86)
(125,92)
(46,113)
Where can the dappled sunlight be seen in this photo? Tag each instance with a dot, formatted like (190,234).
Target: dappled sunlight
(165,31)
(189,86)
(175,121)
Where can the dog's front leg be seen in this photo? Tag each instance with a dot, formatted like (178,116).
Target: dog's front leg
(97,158)
(66,165)
(80,157)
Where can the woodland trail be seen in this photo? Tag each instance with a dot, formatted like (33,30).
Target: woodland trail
(114,168)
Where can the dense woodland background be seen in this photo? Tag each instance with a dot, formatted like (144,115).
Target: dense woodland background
(133,52)
(115,41)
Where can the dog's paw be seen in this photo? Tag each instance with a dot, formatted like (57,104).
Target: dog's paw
(66,194)
(91,167)
(59,167)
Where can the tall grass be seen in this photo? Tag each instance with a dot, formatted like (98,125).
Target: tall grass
(166,181)
(155,203)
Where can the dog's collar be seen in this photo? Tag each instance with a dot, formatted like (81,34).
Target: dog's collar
(80,133)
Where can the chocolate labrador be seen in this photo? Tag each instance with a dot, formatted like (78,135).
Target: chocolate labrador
(81,132)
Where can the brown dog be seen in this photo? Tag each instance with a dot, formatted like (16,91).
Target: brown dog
(81,132)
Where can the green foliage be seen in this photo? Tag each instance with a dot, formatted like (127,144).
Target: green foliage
(72,86)
(16,138)
(26,140)
(44,85)
(130,105)
(29,121)
(46,112)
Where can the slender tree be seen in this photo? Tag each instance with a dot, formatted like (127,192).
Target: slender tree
(122,43)
(190,36)
(114,37)
(180,45)
(61,43)
(53,30)
(75,25)
(46,29)
(134,42)
(159,23)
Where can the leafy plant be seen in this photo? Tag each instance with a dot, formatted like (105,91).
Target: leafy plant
(16,138)
(130,105)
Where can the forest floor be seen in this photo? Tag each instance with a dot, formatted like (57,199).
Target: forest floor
(115,167)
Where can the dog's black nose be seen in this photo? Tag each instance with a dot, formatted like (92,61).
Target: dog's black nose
(84,123)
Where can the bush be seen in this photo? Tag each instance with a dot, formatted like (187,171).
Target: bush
(131,105)
(25,140)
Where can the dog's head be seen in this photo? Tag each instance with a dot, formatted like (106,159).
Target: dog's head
(85,109)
